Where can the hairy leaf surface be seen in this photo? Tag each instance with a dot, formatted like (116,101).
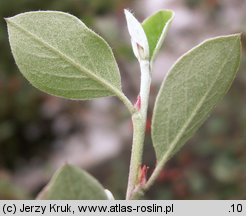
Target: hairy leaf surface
(59,55)
(72,183)
(194,85)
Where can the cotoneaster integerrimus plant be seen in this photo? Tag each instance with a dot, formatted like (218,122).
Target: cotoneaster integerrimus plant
(60,55)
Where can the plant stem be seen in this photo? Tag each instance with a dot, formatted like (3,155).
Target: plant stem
(139,125)
(155,174)
(126,101)
(138,193)
(156,171)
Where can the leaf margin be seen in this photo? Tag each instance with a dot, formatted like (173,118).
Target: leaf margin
(166,155)
(45,193)
(105,83)
(163,33)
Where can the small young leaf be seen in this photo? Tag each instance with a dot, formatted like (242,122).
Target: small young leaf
(59,55)
(139,40)
(191,90)
(156,27)
(71,183)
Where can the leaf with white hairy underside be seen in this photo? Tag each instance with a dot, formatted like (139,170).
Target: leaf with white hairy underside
(72,183)
(155,28)
(139,40)
(59,55)
(192,88)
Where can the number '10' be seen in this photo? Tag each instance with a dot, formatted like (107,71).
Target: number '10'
(237,207)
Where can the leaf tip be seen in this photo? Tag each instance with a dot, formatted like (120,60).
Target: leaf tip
(129,15)
(127,12)
(7,19)
(138,37)
(66,165)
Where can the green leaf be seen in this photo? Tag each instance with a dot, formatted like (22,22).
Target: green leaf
(59,55)
(155,28)
(194,85)
(71,183)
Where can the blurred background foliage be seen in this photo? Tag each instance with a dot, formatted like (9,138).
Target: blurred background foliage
(38,132)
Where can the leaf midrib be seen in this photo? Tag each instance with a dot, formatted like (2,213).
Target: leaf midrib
(197,108)
(78,66)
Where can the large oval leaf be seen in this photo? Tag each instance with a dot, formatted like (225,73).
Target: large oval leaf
(72,183)
(155,28)
(59,55)
(192,88)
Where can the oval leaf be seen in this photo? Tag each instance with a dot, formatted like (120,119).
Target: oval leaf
(59,55)
(155,28)
(191,90)
(72,183)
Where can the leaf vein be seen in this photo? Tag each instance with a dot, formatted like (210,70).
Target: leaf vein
(74,64)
